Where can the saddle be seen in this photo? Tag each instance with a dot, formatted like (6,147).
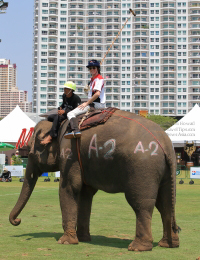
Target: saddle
(95,117)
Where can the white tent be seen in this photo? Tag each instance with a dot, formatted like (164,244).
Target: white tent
(11,126)
(187,129)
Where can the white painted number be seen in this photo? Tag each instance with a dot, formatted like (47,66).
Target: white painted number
(152,145)
(94,147)
(108,155)
(156,147)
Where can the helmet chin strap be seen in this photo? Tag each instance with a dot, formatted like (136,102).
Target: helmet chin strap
(69,92)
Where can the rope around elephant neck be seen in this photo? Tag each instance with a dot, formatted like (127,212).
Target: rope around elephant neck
(140,125)
(78,145)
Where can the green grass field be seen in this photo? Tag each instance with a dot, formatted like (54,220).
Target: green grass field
(112,226)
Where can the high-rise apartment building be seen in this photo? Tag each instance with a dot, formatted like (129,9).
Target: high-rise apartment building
(8,75)
(10,96)
(154,65)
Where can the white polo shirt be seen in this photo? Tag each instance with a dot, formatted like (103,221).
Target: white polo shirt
(97,83)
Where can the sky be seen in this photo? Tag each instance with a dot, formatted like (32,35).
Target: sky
(16,34)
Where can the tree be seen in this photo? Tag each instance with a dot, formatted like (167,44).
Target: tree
(163,121)
(16,160)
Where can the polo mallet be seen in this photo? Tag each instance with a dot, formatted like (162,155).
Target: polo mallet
(86,88)
(131,13)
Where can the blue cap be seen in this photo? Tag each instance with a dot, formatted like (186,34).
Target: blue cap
(92,63)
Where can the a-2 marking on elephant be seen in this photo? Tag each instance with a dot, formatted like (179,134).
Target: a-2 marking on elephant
(140,148)
(66,153)
(93,146)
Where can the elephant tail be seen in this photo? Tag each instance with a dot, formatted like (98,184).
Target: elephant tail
(172,165)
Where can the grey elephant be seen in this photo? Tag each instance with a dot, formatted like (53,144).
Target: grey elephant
(128,154)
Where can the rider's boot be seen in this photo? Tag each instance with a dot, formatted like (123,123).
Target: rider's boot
(75,133)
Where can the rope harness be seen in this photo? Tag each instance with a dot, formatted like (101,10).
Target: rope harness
(78,145)
(78,141)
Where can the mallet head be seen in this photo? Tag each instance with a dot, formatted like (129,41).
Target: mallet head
(131,11)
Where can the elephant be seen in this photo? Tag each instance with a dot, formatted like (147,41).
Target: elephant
(128,154)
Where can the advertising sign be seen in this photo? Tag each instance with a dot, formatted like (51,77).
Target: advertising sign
(57,174)
(16,170)
(194,172)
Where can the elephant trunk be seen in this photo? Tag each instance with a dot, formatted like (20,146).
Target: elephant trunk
(27,188)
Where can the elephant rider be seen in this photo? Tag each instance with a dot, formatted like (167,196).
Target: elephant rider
(70,102)
(96,98)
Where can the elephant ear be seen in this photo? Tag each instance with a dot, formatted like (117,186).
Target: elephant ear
(41,130)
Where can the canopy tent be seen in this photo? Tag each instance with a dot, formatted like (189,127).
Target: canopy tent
(187,129)
(11,126)
(6,147)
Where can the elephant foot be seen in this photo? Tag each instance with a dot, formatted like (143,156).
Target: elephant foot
(169,244)
(138,245)
(84,237)
(68,238)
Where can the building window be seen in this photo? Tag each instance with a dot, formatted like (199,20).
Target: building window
(43,89)
(42,110)
(44,11)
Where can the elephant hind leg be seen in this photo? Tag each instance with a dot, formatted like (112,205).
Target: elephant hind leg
(143,209)
(84,211)
(164,204)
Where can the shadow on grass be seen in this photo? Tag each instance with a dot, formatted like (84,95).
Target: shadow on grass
(41,235)
(112,242)
(96,240)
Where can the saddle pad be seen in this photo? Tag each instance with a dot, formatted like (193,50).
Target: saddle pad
(95,117)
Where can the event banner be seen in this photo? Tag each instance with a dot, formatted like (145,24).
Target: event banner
(194,172)
(16,170)
(57,174)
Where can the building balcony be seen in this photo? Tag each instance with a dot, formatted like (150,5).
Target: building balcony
(168,60)
(194,97)
(164,98)
(137,96)
(193,39)
(168,21)
(52,54)
(53,34)
(194,69)
(52,75)
(140,105)
(194,61)
(53,20)
(168,112)
(53,27)
(194,90)
(53,14)
(52,89)
(167,90)
(53,61)
(138,40)
(194,5)
(113,7)
(52,82)
(52,68)
(51,96)
(168,12)
(51,104)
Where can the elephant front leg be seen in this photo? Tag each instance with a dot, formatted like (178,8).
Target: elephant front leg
(70,186)
(84,211)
